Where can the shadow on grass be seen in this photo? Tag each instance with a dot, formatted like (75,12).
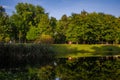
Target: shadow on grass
(106,50)
(66,50)
(103,50)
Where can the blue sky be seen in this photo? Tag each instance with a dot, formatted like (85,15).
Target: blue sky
(57,8)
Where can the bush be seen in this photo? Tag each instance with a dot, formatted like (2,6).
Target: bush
(7,39)
(47,39)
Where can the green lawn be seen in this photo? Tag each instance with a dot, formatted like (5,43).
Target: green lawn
(78,50)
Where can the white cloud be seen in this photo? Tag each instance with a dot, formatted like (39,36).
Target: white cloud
(7,7)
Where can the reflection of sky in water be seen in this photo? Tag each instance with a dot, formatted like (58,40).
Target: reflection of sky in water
(57,78)
(55,63)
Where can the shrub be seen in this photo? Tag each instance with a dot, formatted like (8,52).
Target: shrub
(44,39)
(7,39)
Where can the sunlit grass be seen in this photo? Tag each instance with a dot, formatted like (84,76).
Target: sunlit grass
(80,50)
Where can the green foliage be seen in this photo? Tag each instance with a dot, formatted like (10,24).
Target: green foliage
(61,28)
(26,15)
(92,28)
(1,37)
(46,39)
(4,24)
(7,39)
(30,21)
(33,33)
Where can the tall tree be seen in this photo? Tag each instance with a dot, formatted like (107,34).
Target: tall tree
(4,25)
(26,15)
(62,26)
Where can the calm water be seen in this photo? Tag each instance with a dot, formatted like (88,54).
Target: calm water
(85,68)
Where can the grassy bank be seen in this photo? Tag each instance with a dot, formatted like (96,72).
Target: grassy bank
(78,50)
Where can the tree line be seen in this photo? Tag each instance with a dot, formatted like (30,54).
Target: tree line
(30,23)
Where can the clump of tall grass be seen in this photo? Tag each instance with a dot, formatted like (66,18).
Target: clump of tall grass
(21,55)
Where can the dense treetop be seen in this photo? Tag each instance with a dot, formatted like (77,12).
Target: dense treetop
(30,22)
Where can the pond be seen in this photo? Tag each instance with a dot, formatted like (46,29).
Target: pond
(84,68)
